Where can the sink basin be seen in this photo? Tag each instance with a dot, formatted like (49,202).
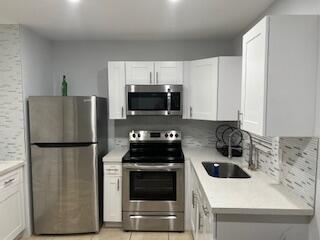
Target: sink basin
(225,170)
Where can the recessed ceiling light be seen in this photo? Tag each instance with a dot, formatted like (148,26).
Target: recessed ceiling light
(174,1)
(74,1)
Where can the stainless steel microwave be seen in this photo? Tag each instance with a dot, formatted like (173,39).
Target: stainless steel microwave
(154,99)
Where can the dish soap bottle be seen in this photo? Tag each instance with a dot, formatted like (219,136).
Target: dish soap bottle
(64,86)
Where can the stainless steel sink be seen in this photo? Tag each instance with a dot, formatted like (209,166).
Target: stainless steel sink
(224,170)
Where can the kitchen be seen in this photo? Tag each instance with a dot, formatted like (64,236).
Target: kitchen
(279,197)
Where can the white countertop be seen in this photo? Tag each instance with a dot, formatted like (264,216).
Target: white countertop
(259,194)
(115,155)
(8,166)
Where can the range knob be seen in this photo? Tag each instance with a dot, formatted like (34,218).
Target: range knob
(139,135)
(171,135)
(166,135)
(177,135)
(134,135)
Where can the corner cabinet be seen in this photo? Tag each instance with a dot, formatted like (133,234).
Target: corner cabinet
(12,211)
(279,76)
(116,90)
(112,192)
(212,89)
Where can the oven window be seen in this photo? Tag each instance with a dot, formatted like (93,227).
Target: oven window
(147,101)
(153,186)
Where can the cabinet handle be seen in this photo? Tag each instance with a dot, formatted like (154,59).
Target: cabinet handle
(191,112)
(193,199)
(150,77)
(122,112)
(239,118)
(9,181)
(118,184)
(157,78)
(205,210)
(200,222)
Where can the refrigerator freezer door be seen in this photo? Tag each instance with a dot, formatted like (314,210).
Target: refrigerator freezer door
(62,119)
(65,189)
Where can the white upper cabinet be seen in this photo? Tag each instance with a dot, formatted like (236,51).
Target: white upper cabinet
(116,90)
(145,73)
(279,74)
(168,72)
(212,89)
(139,73)
(204,89)
(229,88)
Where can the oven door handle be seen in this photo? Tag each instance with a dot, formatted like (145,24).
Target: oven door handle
(169,166)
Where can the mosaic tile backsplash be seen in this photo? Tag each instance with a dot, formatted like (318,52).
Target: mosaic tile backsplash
(12,145)
(291,162)
(194,133)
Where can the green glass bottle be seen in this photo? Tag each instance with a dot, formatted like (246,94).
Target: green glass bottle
(64,86)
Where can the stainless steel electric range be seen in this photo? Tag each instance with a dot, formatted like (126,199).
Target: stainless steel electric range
(153,182)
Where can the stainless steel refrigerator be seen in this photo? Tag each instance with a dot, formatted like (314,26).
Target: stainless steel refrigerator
(68,138)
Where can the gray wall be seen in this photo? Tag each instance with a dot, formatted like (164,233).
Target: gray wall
(36,54)
(85,63)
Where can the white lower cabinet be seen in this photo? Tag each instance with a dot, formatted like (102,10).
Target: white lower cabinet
(112,192)
(12,212)
(262,227)
(205,225)
(203,221)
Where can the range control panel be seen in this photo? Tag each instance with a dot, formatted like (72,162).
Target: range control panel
(149,136)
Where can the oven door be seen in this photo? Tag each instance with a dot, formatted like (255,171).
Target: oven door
(153,187)
(154,99)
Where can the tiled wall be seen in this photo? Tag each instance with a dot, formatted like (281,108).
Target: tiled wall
(299,166)
(12,145)
(291,162)
(195,133)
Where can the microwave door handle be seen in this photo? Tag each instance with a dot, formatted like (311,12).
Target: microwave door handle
(169,101)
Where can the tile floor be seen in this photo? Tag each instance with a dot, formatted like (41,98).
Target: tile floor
(118,234)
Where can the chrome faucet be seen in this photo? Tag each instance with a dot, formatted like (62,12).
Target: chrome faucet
(251,164)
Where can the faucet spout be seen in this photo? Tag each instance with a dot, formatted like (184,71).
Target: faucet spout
(251,164)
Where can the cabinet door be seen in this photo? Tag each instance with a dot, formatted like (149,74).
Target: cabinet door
(254,78)
(229,88)
(11,212)
(201,218)
(139,73)
(116,90)
(112,199)
(209,225)
(204,89)
(168,72)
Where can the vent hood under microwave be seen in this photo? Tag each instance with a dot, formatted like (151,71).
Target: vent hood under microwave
(154,100)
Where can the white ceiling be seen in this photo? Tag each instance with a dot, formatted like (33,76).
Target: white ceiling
(133,19)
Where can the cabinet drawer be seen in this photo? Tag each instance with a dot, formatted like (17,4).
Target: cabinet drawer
(9,180)
(112,169)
